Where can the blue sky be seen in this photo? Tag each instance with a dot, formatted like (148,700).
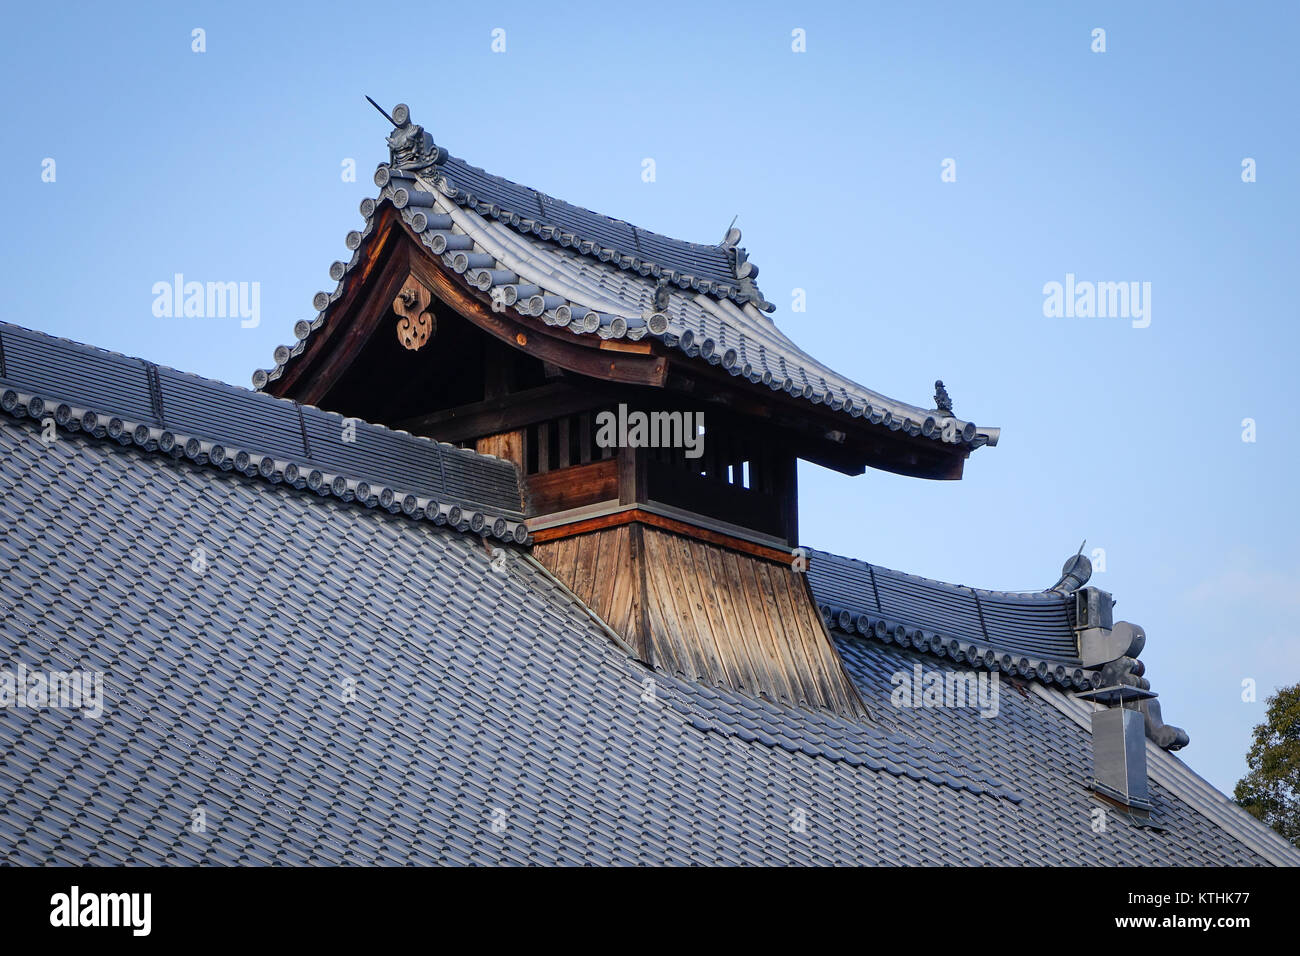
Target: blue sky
(1117,166)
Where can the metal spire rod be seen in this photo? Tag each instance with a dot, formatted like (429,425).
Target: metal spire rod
(382,111)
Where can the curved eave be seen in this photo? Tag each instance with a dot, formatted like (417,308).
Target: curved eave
(558,290)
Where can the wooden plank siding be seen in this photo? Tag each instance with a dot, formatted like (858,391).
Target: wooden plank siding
(589,484)
(707,613)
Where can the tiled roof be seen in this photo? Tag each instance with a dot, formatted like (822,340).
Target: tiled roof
(160,410)
(342,685)
(710,269)
(1030,633)
(554,272)
(1043,732)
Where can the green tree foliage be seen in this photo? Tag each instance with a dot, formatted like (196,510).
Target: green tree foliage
(1271,790)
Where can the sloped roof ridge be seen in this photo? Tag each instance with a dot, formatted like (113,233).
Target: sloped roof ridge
(468,493)
(1031,596)
(1062,636)
(674,260)
(564,202)
(951,620)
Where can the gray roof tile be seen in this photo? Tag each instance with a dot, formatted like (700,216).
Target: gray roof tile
(174,413)
(932,616)
(476,689)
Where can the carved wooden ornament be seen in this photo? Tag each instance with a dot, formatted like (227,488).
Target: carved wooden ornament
(416,325)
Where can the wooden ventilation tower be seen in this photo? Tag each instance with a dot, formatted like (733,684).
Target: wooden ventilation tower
(653,410)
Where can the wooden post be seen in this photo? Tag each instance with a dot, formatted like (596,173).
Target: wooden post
(563,427)
(543,447)
(632,476)
(787,488)
(584,438)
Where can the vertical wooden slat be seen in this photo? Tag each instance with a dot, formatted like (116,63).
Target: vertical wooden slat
(707,612)
(610,564)
(585,559)
(698,600)
(543,447)
(730,639)
(664,648)
(689,658)
(779,676)
(806,663)
(619,591)
(584,438)
(563,427)
(507,445)
(722,590)
(770,610)
(637,549)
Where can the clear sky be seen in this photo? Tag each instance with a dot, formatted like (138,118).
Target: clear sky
(1122,166)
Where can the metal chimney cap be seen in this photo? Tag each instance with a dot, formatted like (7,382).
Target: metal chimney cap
(1115,694)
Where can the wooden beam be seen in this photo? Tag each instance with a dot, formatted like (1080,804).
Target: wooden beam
(361,326)
(636,515)
(617,345)
(633,486)
(554,491)
(864,443)
(505,413)
(357,282)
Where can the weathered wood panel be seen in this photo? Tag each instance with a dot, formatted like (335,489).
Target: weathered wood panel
(507,445)
(600,570)
(555,491)
(706,612)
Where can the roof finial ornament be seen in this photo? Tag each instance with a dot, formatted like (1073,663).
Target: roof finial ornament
(1074,573)
(409,146)
(732,236)
(941,400)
